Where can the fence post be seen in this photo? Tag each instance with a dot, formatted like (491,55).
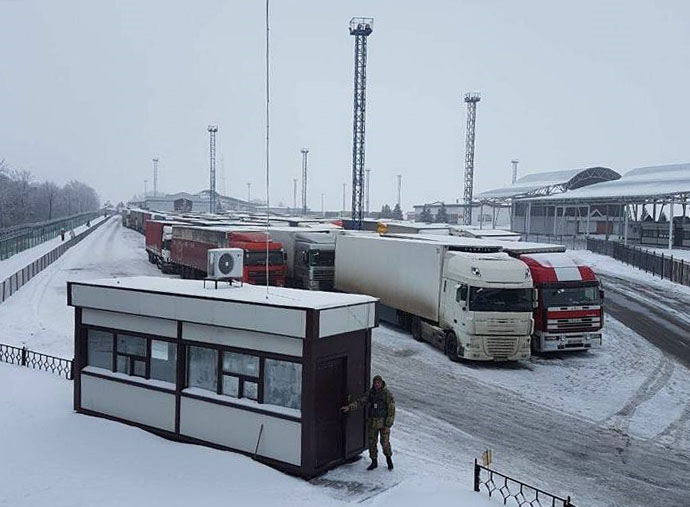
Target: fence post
(23,356)
(477,471)
(567,502)
(662,265)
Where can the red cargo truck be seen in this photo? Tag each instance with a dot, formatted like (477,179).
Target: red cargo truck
(190,244)
(570,315)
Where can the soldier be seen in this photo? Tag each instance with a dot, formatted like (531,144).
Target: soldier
(381,414)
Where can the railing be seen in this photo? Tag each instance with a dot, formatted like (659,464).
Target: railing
(569,241)
(507,489)
(16,281)
(22,237)
(31,359)
(664,266)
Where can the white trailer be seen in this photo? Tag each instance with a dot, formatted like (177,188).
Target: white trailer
(465,296)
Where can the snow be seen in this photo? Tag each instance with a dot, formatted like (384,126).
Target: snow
(245,294)
(676,253)
(11,265)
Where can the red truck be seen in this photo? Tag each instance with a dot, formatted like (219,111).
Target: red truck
(158,238)
(189,246)
(570,314)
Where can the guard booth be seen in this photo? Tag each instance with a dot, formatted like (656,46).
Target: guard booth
(236,368)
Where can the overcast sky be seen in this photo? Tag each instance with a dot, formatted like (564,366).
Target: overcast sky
(93,90)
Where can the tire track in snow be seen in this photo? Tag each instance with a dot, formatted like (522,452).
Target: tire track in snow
(652,385)
(677,431)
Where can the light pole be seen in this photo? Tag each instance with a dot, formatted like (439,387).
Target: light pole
(294,195)
(323,210)
(249,192)
(145,188)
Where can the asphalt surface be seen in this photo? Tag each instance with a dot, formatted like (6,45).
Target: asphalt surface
(662,317)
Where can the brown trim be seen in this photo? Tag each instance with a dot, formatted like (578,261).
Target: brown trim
(308,445)
(279,465)
(143,385)
(180,375)
(248,352)
(238,406)
(79,360)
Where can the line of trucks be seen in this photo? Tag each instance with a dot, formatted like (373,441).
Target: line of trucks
(473,298)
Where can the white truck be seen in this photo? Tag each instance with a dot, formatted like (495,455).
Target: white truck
(466,298)
(310,255)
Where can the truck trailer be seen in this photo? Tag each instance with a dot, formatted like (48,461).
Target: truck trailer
(310,256)
(569,315)
(465,297)
(190,244)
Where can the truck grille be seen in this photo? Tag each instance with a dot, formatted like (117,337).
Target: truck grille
(502,326)
(501,348)
(573,324)
(323,275)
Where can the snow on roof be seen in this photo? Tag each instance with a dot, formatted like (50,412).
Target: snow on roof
(571,178)
(640,182)
(275,296)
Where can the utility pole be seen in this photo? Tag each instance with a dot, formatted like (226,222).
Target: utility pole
(294,195)
(399,188)
(471,100)
(515,167)
(367,188)
(249,192)
(155,177)
(323,210)
(344,198)
(304,152)
(360,28)
(145,188)
(212,130)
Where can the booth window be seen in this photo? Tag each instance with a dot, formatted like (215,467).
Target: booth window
(202,370)
(240,375)
(282,383)
(131,355)
(99,348)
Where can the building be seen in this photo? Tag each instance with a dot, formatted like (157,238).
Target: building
(259,371)
(197,203)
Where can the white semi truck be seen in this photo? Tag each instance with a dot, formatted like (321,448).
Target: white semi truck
(466,298)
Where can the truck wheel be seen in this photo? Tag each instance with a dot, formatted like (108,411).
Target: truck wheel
(452,347)
(416,329)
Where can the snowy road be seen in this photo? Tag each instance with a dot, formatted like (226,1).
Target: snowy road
(609,427)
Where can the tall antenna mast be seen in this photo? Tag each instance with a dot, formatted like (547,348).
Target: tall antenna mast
(155,177)
(304,152)
(360,28)
(471,100)
(212,130)
(515,166)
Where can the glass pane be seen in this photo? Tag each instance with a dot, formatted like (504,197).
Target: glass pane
(282,383)
(123,364)
(250,390)
(134,345)
(241,364)
(202,368)
(163,361)
(139,368)
(99,349)
(231,386)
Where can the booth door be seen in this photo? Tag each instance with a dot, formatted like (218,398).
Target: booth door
(330,392)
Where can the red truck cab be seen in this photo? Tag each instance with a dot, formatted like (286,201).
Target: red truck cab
(190,245)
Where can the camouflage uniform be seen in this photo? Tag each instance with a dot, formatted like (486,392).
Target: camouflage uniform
(380,417)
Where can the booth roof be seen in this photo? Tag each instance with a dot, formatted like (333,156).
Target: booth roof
(275,296)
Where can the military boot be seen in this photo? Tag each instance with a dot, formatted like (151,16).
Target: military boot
(389,460)
(374,464)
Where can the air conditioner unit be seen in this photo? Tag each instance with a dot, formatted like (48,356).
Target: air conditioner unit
(225,263)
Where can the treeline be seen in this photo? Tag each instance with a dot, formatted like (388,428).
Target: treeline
(23,200)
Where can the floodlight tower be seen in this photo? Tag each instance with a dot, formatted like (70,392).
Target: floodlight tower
(360,28)
(515,165)
(212,130)
(304,152)
(155,177)
(471,99)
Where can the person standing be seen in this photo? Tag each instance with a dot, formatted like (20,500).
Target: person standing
(380,406)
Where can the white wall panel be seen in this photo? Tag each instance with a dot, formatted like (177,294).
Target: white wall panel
(346,319)
(267,319)
(239,429)
(127,322)
(136,404)
(243,339)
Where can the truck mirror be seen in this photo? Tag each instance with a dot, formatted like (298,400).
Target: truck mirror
(601,294)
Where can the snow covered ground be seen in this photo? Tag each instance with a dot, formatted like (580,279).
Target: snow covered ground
(609,426)
(11,265)
(677,253)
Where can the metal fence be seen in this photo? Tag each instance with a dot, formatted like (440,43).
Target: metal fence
(507,489)
(571,242)
(31,359)
(22,237)
(661,265)
(17,280)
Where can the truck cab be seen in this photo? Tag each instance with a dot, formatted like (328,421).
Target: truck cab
(486,301)
(314,264)
(255,257)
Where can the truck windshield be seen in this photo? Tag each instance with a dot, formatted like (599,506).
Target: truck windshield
(485,299)
(570,296)
(275,258)
(322,258)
